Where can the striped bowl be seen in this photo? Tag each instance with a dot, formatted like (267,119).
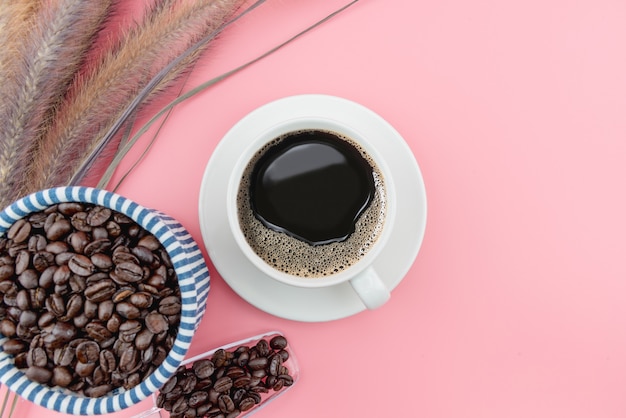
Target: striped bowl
(193,278)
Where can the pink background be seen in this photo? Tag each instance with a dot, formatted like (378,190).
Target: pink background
(515,111)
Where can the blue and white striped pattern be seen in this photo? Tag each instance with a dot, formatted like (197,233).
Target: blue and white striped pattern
(193,278)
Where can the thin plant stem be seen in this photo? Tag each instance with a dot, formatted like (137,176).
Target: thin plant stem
(200,88)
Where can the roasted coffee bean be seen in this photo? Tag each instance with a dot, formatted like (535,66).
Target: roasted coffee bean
(84,369)
(223,384)
(19,231)
(98,332)
(113,324)
(156,323)
(263,348)
(234,372)
(133,380)
(127,310)
(57,247)
(22,262)
(203,368)
(58,227)
(198,398)
(242,381)
(275,363)
(97,246)
(105,310)
(113,229)
(47,318)
(246,404)
(64,356)
(219,358)
(7,328)
(39,374)
(122,294)
(97,277)
(143,254)
(121,254)
(99,215)
(188,383)
(13,313)
(100,290)
(42,260)
(242,359)
(36,243)
(69,208)
(81,265)
(201,411)
(56,305)
(128,330)
(29,279)
(99,232)
(61,376)
(79,240)
(8,286)
(141,300)
(37,298)
(37,219)
(36,356)
(102,261)
(90,308)
(143,340)
(108,362)
(63,259)
(88,352)
(46,278)
(128,272)
(6,271)
(64,331)
(226,403)
(258,363)
(129,359)
(286,378)
(170,305)
(22,299)
(169,385)
(255,396)
(13,346)
(150,242)
(180,406)
(98,377)
(74,306)
(28,319)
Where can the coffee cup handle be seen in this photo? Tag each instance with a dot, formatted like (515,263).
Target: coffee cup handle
(370,288)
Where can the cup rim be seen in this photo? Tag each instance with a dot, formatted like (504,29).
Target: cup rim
(293,125)
(63,400)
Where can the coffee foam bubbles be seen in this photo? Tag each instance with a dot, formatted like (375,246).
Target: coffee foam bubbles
(298,258)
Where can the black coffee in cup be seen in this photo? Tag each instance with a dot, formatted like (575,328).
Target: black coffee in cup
(311,203)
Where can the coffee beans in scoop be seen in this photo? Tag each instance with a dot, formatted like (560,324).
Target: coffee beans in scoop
(89,300)
(229,382)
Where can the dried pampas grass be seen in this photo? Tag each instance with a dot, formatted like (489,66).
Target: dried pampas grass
(67,88)
(97,98)
(47,43)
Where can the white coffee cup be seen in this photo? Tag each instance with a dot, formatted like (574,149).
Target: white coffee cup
(363,277)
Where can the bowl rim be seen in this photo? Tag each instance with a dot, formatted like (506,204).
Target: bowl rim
(168,231)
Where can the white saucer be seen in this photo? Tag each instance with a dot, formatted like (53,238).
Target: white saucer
(313,304)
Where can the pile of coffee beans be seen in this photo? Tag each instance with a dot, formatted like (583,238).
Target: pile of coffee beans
(89,300)
(229,383)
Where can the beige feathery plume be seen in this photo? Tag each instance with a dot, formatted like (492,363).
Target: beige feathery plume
(15,17)
(95,101)
(52,46)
